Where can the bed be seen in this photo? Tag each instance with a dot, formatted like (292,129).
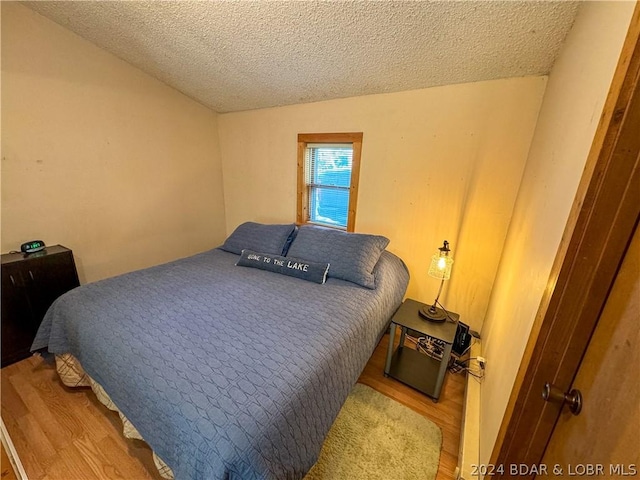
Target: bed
(227,371)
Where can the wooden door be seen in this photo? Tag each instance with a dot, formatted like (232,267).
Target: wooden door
(602,440)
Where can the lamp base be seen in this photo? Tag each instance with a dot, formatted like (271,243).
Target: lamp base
(433,313)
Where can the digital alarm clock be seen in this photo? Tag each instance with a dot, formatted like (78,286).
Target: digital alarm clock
(32,246)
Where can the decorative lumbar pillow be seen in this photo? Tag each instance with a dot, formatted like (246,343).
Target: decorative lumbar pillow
(259,237)
(352,255)
(312,271)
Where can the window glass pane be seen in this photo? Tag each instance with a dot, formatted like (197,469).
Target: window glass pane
(328,177)
(329,205)
(330,165)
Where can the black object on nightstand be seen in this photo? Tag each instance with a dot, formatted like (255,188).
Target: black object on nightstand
(419,370)
(30,284)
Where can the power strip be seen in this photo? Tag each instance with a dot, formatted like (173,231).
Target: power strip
(432,347)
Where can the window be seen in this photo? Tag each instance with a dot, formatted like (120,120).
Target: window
(328,170)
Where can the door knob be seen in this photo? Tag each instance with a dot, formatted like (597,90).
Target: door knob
(553,394)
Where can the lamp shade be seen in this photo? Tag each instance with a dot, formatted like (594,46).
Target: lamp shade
(441,263)
(439,268)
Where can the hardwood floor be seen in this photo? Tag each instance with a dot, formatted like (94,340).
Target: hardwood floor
(6,469)
(65,434)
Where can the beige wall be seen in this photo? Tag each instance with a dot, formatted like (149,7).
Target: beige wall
(100,157)
(440,163)
(572,105)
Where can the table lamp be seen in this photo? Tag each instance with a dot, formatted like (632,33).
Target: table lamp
(439,268)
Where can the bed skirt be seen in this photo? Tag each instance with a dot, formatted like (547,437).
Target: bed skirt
(73,375)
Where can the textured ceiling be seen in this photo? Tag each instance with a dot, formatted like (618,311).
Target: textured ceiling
(241,55)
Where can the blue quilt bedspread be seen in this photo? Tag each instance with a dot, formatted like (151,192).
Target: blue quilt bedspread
(228,372)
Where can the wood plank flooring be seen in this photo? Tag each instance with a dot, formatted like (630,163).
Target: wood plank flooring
(66,434)
(6,469)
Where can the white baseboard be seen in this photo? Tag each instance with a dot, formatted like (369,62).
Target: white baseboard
(469,453)
(11,453)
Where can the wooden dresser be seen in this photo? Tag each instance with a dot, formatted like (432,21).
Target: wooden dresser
(30,284)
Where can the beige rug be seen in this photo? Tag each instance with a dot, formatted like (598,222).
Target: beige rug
(375,437)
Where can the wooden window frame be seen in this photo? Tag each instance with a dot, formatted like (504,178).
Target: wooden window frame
(353,138)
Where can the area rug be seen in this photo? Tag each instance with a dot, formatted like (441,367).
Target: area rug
(377,438)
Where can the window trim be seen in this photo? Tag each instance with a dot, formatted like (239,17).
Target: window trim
(353,138)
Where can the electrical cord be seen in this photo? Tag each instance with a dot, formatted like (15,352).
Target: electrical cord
(466,360)
(419,345)
(476,375)
(423,347)
(457,366)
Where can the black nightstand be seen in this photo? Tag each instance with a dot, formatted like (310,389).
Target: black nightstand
(30,284)
(416,369)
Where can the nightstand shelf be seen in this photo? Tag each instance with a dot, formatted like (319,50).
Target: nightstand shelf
(416,369)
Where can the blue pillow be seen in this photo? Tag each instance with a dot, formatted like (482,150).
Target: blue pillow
(290,240)
(352,255)
(273,239)
(314,272)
